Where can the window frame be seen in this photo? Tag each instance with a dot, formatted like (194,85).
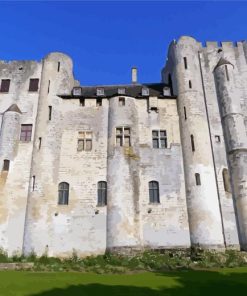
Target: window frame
(154,192)
(27,132)
(159,138)
(101,193)
(123,136)
(63,187)
(4,89)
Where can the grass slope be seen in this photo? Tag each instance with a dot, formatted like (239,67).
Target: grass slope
(227,281)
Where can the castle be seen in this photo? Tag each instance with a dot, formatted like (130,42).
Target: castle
(125,167)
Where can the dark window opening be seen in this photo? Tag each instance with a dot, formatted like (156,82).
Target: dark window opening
(6,163)
(192,143)
(121,101)
(170,83)
(185,114)
(33,183)
(63,193)
(58,66)
(190,84)
(40,142)
(82,102)
(227,74)
(154,196)
(33,84)
(5,85)
(98,102)
(48,90)
(50,112)
(26,132)
(198,179)
(185,63)
(217,139)
(102,193)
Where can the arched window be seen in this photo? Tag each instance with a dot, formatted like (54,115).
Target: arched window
(226,180)
(63,193)
(154,196)
(102,193)
(6,165)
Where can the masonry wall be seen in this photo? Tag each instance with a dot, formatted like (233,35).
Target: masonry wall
(14,184)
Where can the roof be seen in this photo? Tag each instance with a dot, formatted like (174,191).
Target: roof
(14,108)
(131,90)
(221,62)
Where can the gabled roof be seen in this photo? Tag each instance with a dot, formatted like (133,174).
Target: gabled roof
(222,61)
(14,108)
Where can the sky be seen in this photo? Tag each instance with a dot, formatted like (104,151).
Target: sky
(106,38)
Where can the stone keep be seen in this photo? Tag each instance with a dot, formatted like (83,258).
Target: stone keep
(123,168)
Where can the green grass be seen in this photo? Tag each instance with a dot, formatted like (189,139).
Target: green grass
(226,281)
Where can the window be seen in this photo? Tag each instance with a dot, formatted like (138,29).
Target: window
(154,196)
(123,136)
(102,193)
(33,183)
(84,142)
(145,91)
(217,139)
(33,84)
(198,179)
(58,66)
(40,142)
(121,91)
(121,101)
(185,63)
(5,83)
(190,84)
(100,92)
(98,102)
(50,111)
(26,132)
(63,193)
(185,113)
(77,91)
(49,83)
(82,102)
(227,74)
(6,163)
(226,180)
(159,138)
(192,143)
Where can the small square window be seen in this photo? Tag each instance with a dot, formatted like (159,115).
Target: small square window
(217,139)
(5,85)
(33,84)
(145,91)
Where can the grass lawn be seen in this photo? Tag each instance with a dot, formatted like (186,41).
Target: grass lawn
(229,281)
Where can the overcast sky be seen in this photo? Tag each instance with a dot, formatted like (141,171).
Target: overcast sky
(105,39)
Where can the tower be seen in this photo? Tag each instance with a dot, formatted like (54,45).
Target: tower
(226,80)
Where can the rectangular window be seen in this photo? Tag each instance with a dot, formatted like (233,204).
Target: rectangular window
(121,91)
(82,102)
(5,83)
(40,142)
(159,139)
(123,136)
(190,84)
(185,114)
(49,83)
(192,143)
(121,101)
(6,163)
(84,142)
(98,102)
(227,74)
(33,84)
(100,91)
(50,111)
(198,179)
(185,63)
(26,132)
(58,66)
(217,139)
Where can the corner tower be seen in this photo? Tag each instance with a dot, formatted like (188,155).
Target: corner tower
(232,118)
(183,70)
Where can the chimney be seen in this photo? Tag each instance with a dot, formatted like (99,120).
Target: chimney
(134,75)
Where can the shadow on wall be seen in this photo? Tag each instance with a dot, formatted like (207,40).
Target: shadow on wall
(203,283)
